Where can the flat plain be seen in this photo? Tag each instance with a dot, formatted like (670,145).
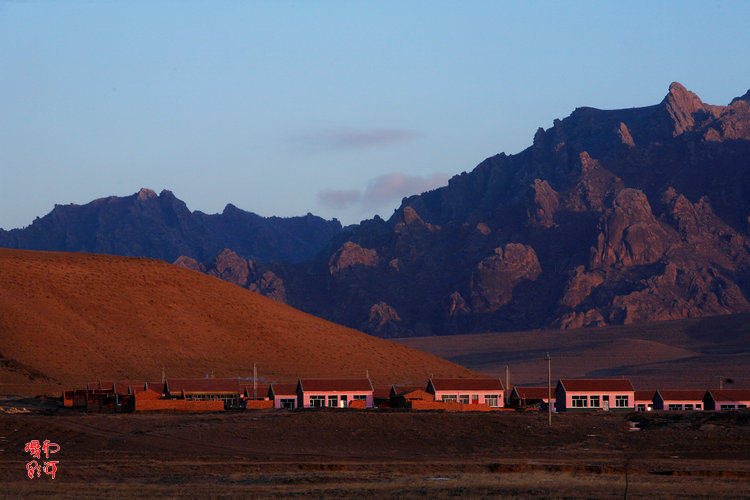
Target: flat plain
(378,453)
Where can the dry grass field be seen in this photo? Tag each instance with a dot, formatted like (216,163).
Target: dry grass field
(691,353)
(381,454)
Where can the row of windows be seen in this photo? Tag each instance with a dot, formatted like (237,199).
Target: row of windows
(333,401)
(490,400)
(686,407)
(597,401)
(732,407)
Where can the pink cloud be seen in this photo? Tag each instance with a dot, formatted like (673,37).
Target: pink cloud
(382,190)
(394,186)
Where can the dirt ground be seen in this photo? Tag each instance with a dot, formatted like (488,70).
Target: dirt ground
(376,453)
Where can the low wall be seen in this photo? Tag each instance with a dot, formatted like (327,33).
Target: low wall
(258,404)
(178,405)
(447,406)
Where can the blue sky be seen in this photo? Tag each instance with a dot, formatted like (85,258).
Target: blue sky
(335,108)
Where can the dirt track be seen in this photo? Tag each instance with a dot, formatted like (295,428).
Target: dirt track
(381,454)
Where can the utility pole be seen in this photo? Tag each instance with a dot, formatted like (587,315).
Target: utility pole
(255,382)
(549,390)
(507,384)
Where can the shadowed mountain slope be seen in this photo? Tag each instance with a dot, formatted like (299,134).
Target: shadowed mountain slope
(161,227)
(70,318)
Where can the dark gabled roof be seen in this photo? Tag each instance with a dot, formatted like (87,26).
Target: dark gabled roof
(282,390)
(730,394)
(332,385)
(467,384)
(203,385)
(594,384)
(532,392)
(261,390)
(645,395)
(400,390)
(682,394)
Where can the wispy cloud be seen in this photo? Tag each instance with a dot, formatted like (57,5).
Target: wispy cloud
(353,138)
(339,199)
(384,189)
(394,186)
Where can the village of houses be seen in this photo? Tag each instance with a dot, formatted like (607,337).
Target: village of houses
(488,394)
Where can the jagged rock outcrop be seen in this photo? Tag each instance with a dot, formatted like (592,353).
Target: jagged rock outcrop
(349,255)
(495,277)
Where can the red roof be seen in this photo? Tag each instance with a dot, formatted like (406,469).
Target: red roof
(261,390)
(283,389)
(533,392)
(730,394)
(382,392)
(593,384)
(645,395)
(335,385)
(467,384)
(156,386)
(203,385)
(682,394)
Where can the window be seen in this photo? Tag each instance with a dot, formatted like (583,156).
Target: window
(491,401)
(463,399)
(317,401)
(621,401)
(288,403)
(333,401)
(449,397)
(727,407)
(674,407)
(358,397)
(688,408)
(594,401)
(698,406)
(579,401)
(640,407)
(741,406)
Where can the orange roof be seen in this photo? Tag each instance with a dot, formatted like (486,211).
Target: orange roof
(467,384)
(283,389)
(593,384)
(682,394)
(533,392)
(730,394)
(333,385)
(203,385)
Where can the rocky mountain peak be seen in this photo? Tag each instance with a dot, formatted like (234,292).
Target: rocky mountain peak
(145,194)
(685,108)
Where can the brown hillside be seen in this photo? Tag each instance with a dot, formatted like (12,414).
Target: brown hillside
(70,318)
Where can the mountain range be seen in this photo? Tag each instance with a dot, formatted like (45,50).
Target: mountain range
(162,227)
(609,217)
